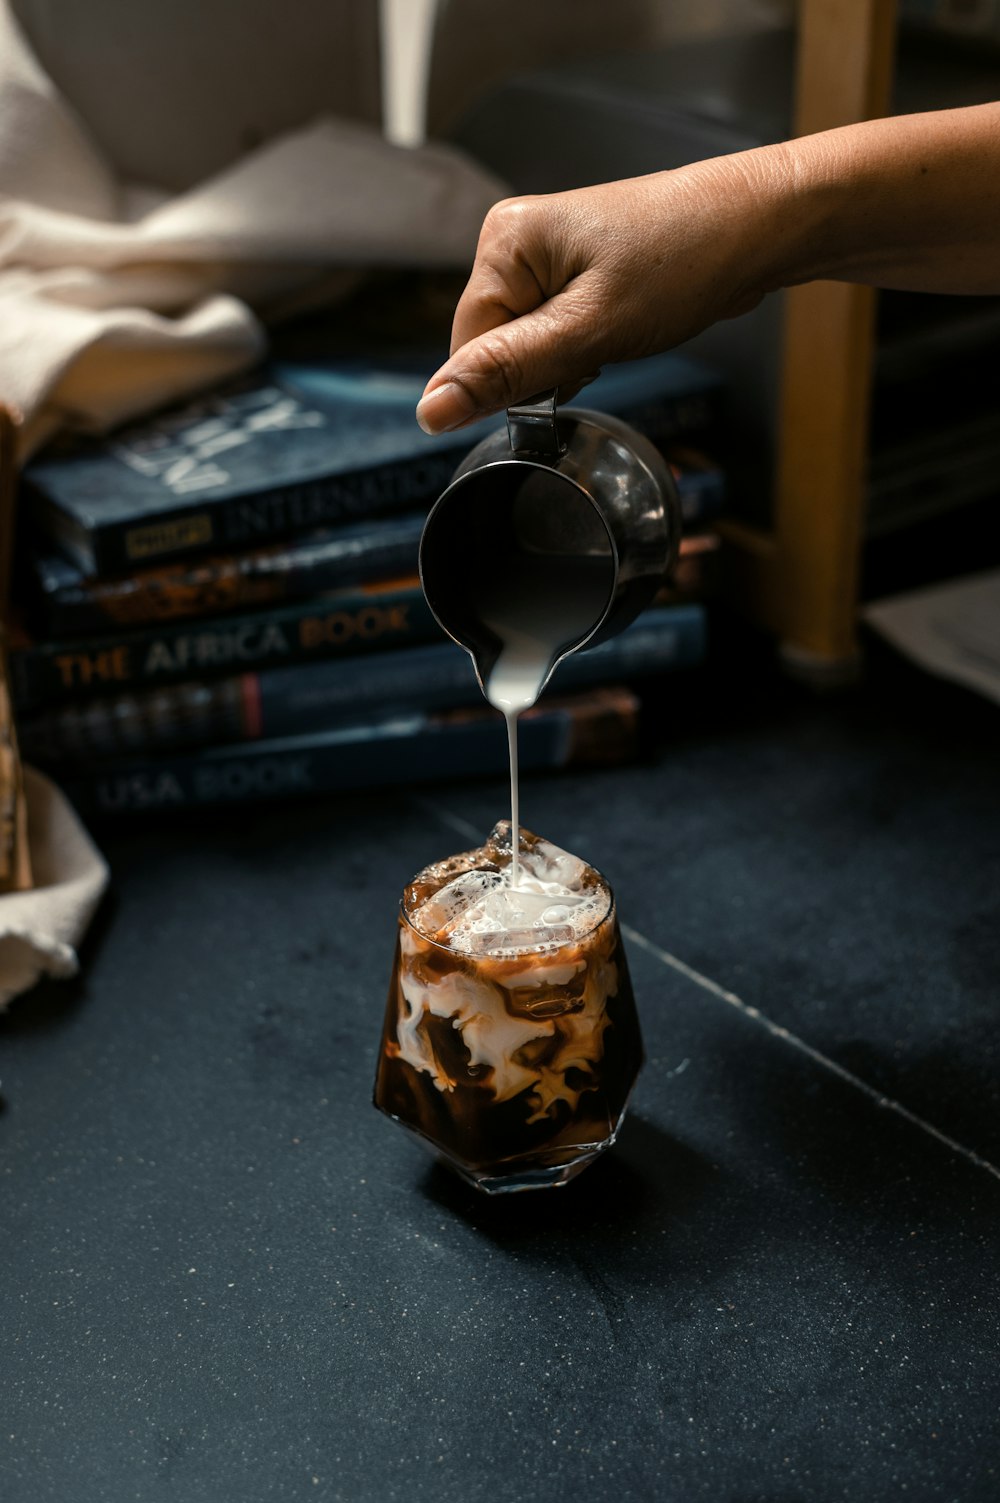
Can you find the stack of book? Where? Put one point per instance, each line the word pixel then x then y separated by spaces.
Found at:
pixel 221 603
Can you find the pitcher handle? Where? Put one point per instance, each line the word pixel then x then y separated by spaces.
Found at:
pixel 531 427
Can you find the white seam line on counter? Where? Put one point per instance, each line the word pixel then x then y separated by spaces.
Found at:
pixel 468 831
pixel 886 1102
pixel 453 821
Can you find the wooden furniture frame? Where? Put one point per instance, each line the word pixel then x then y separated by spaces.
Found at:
pixel 15 864
pixel 800 580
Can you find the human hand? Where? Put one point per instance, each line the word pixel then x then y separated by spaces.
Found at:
pixel 564 282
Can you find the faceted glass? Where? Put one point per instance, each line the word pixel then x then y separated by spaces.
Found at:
pixel 513 1066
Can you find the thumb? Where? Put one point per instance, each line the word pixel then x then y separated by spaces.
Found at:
pixel 552 346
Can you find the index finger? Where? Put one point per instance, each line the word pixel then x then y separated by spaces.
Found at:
pixel 504 283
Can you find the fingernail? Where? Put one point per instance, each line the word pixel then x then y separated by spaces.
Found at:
pixel 444 408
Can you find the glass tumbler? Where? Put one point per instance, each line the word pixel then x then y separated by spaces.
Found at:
pixel 510 1055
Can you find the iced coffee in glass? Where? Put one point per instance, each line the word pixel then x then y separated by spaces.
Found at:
pixel 511 1041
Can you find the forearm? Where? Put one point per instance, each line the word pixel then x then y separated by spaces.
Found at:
pixel 907 202
pixel 567 282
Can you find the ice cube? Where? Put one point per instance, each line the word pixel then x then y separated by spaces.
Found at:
pixel 483 941
pixel 515 908
pixel 549 864
pixel 438 915
pixel 510 918
pixel 498 845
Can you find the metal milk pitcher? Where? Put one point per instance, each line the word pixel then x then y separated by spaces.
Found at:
pixel 571 510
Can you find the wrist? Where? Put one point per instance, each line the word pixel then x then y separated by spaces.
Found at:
pixel 795 207
pixel 767 218
pixel 905 201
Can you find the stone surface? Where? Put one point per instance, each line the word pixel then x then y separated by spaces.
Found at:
pixel 834 861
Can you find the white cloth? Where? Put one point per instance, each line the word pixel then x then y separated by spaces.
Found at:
pixel 40 929
pixel 951 629
pixel 116 297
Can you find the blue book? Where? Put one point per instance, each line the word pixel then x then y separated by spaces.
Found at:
pixel 597 727
pixel 66 603
pixel 336 624
pixel 298 446
pixel 314 696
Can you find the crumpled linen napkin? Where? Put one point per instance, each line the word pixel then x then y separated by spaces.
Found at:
pixel 40 929
pixel 116 297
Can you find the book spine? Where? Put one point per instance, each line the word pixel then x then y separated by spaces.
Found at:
pixel 295 699
pixel 336 559
pixel 696 574
pixel 339 624
pixel 247 520
pixel 411 749
pixel 701 490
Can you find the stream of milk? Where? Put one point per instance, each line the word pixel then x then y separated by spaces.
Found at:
pixel 534 626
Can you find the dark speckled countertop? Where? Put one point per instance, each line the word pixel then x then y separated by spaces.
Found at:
pixel 224 1277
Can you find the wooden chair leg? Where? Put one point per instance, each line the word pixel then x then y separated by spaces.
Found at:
pixel 843 74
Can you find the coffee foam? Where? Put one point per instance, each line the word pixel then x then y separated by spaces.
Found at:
pixel 507 921
pixel 469 904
